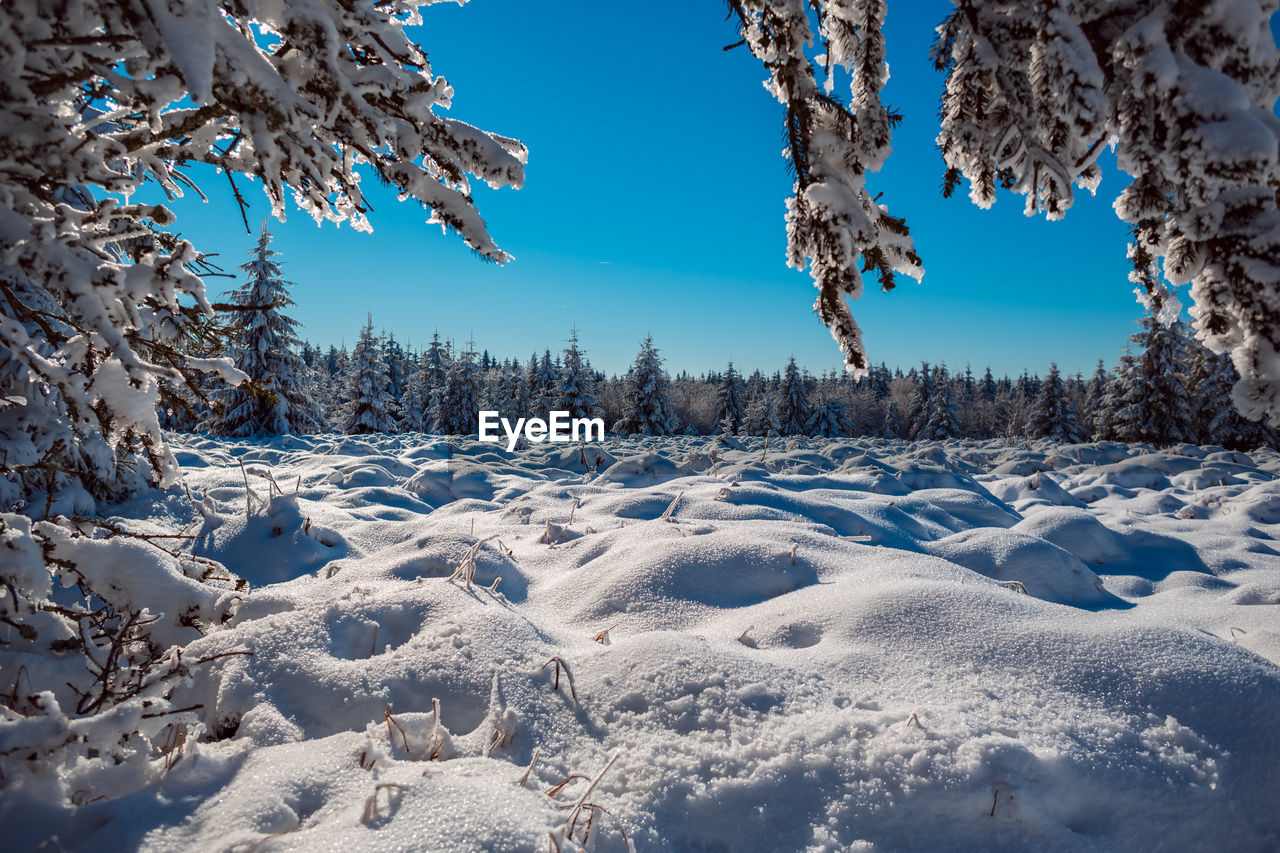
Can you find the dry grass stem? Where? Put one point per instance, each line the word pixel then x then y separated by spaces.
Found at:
pixel 533 759
pixel 560 664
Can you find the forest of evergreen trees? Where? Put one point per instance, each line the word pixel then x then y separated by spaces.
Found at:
pixel 1166 389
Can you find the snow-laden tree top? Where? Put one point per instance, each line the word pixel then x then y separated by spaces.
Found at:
pixel 1184 92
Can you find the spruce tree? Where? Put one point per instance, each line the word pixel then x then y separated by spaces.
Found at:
pixel 461 399
pixel 987 387
pixel 368 404
pixel 433 377
pixel 276 398
pixel 575 390
pixel 1054 415
pixel 829 419
pixel 1116 418
pixel 942 421
pixel 919 407
pixel 891 425
pixel 1152 404
pixel 648 405
pixel 762 416
pixel 515 403
pixel 729 401
pixel 393 355
pixel 416 396
pixel 794 410
pixel 1095 393
pixel 1215 420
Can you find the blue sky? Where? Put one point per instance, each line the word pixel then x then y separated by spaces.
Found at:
pixel 654 202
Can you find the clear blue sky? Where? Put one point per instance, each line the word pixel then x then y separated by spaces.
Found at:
pixel 654 202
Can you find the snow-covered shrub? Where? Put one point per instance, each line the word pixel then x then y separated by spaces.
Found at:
pixel 92 629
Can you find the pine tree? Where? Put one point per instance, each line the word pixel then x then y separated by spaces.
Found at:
pixel 942 420
pixel 891 425
pixel 1054 415
pixel 793 408
pixel 416 397
pixel 1215 421
pixel 987 388
pixel 461 400
pixel 576 386
pixel 1116 417
pixel 393 355
pixel 648 405
pixel 434 376
pixel 919 407
pixel 1151 404
pixel 275 399
pixel 516 403
pixel 729 401
pixel 829 419
pixel 762 417
pixel 368 404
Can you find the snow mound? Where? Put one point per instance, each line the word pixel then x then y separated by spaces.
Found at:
pixel 821 645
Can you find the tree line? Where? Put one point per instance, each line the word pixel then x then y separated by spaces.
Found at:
pixel 1166 389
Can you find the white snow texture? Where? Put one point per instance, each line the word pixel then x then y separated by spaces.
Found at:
pixel 821 646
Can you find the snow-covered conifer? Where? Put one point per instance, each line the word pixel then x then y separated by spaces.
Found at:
pixel 433 372
pixel 891 425
pixel 729 400
pixel 1054 415
pixel 762 416
pixel 794 410
pixel 515 400
pixel 835 224
pixel 368 404
pixel 648 405
pixel 416 397
pixel 1112 421
pixel 987 387
pixel 276 398
pixel 575 388
pixel 1157 407
pixel 918 409
pixel 1095 392
pixel 461 400
pixel 393 355
pixel 942 420
pixel 829 419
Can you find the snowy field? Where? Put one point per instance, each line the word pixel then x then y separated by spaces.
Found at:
pixel 834 645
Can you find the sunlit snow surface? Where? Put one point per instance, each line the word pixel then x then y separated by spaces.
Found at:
pixel 824 646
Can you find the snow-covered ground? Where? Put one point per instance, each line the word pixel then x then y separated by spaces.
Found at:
pixel 831 645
